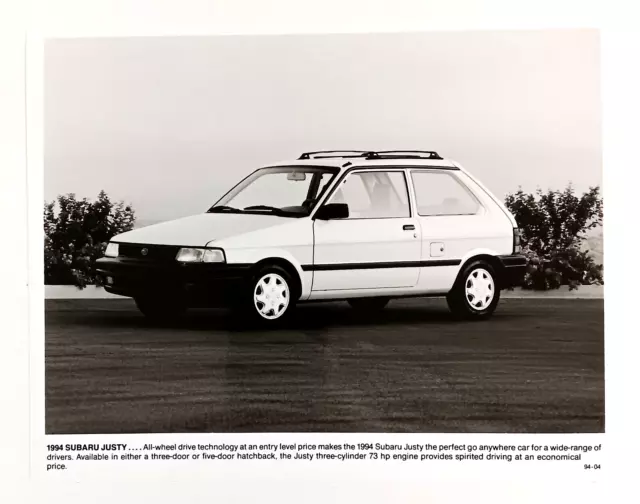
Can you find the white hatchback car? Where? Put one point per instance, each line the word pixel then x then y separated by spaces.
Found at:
pixel 361 226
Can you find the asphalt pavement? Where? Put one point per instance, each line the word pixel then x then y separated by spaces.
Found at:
pixel 536 366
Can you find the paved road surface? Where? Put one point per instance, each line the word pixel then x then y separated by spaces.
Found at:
pixel 536 366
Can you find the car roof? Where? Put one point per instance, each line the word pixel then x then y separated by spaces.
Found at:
pixel 370 159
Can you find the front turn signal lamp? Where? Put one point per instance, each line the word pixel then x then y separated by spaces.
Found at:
pixel 195 255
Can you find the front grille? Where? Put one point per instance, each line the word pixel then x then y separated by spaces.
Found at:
pixel 155 253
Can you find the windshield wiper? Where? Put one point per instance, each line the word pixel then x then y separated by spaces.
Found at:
pixel 223 208
pixel 265 208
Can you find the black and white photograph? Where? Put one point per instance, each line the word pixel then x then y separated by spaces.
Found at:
pixel 337 233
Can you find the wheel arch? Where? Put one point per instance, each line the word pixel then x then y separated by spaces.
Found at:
pixel 485 255
pixel 284 264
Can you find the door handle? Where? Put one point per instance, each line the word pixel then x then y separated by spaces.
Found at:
pixel 408 227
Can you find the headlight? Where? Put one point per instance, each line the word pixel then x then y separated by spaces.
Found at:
pixel 200 255
pixel 112 250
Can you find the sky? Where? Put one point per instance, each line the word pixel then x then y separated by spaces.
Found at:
pixel 169 124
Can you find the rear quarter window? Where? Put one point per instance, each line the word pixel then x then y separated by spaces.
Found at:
pixel 439 193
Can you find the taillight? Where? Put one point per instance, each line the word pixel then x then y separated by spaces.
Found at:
pixel 517 248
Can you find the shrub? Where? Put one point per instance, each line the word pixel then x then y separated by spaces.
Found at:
pixel 76 234
pixel 554 228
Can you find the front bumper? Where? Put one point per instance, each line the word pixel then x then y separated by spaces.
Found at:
pixel 199 284
pixel 514 268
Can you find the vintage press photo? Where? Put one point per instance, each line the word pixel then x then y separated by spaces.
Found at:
pixel 345 233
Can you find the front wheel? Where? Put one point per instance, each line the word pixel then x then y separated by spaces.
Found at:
pixel 476 294
pixel 270 296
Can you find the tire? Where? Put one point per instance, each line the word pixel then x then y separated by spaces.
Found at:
pixel 476 293
pixel 368 304
pixel 270 297
pixel 161 309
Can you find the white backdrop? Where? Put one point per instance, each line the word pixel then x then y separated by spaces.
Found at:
pixel 170 124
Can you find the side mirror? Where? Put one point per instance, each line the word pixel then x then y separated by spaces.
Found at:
pixel 333 211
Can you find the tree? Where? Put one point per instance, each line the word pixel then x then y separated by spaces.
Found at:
pixel 554 228
pixel 76 234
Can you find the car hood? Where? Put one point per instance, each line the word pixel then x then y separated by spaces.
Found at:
pixel 198 230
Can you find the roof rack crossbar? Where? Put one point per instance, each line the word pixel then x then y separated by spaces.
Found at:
pixel 392 154
pixel 333 153
pixel 418 154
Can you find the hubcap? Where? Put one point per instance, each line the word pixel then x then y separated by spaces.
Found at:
pixel 271 296
pixel 479 289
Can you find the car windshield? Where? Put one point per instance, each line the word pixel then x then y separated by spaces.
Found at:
pixel 290 191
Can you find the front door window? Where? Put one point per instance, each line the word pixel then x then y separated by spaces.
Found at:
pixel 374 195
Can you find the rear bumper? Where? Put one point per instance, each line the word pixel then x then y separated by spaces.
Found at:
pixel 199 284
pixel 514 268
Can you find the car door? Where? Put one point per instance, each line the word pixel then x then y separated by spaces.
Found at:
pixel 378 246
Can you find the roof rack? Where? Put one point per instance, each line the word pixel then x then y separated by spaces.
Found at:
pixel 392 154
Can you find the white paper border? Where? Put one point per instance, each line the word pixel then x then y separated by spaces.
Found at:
pixel 620 112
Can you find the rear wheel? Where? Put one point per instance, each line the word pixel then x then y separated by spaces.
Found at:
pixel 476 293
pixel 161 309
pixel 368 304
